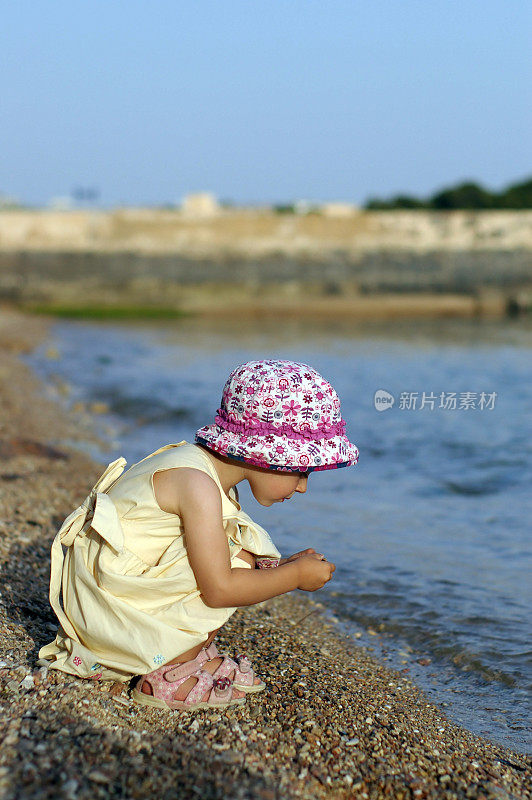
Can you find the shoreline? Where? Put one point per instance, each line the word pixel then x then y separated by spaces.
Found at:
pixel 333 722
pixel 201 303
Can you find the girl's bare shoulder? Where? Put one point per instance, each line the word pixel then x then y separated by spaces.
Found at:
pixel 180 488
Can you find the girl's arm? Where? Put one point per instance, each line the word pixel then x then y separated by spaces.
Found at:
pixel 200 509
pixel 246 587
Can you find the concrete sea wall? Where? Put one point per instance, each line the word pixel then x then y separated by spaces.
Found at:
pixel 253 259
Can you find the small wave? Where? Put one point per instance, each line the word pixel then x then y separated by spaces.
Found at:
pixel 144 410
pixel 424 629
pixel 474 488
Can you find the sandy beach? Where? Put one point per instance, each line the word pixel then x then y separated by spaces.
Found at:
pixel 332 723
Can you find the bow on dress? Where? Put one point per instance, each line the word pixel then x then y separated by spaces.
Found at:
pixel 97 509
pixel 252 536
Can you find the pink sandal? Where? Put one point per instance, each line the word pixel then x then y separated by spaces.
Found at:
pixel 165 681
pixel 244 674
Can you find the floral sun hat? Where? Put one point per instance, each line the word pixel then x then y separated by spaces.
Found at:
pixel 280 415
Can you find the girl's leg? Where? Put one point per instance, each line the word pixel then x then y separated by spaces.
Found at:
pixel 213 665
pixel 209 666
pixel 245 555
pixel 193 652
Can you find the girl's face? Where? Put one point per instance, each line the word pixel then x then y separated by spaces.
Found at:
pixel 270 487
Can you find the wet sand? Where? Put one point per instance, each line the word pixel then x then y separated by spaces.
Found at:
pixel 333 721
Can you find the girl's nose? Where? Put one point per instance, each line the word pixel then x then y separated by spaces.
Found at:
pixel 302 485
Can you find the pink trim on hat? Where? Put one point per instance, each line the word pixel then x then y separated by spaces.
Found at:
pixel 228 423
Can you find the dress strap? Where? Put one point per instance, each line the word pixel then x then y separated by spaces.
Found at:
pixel 161 450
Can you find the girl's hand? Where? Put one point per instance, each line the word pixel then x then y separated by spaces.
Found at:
pixel 310 551
pixel 313 573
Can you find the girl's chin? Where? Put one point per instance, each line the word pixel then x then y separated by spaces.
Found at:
pixel 268 501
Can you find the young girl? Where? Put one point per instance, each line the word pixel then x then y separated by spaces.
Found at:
pixel 160 556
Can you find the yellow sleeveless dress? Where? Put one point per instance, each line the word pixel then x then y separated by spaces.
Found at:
pixel 130 598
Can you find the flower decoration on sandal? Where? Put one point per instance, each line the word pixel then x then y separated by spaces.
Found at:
pixel 221 686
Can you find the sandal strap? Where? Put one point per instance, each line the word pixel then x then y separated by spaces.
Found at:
pixel 165 680
pixel 204 682
pixel 186 668
pixel 211 651
pixel 164 689
pixel 244 674
pixel 225 668
pixel 242 666
pixel 243 662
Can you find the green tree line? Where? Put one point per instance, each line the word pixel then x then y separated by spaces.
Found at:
pixel 463 196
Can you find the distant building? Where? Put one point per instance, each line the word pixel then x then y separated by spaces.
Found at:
pixel 306 206
pixel 61 203
pixel 202 204
pixel 338 209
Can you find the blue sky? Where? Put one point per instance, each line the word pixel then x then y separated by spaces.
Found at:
pixel 260 101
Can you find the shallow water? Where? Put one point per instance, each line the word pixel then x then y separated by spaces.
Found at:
pixel 429 532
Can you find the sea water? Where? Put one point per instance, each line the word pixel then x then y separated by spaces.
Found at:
pixel 430 532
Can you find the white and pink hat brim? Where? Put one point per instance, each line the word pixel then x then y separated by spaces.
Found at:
pixel 280 415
